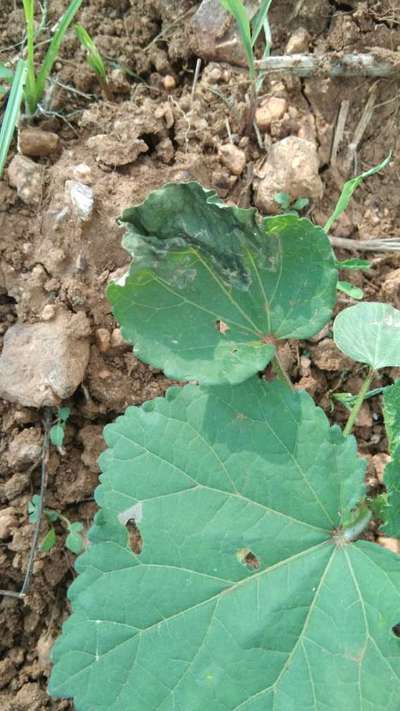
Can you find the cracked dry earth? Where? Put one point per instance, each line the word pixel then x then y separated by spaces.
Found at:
pixel 60 245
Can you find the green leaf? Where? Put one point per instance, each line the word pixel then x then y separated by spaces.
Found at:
pixel 239 12
pixel 241 597
pixel 350 290
pixel 353 264
pixel 348 189
pixel 210 284
pixel 11 115
pixel 391 413
pixel 300 203
pixel 75 527
pixel 260 21
pixel 57 434
pixel 94 58
pixel 283 199
pixel 52 52
pixel 34 509
pixel 49 541
pixel 6 74
pixel 369 333
pixel 391 476
pixel 74 543
pixel 63 413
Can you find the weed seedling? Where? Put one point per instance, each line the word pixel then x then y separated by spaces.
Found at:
pixel 94 59
pixel 74 540
pixel 291 207
pixel 250 30
pixel 57 431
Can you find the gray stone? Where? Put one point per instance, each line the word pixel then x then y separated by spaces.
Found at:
pixel 42 363
pixel 215 35
pixel 25 449
pixel 26 176
pixel 292 168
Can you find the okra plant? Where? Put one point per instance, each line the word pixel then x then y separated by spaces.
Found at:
pixel 254 586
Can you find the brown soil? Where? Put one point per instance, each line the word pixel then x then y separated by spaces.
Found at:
pixel 45 260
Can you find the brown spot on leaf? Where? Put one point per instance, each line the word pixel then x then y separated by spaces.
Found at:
pixel 247 558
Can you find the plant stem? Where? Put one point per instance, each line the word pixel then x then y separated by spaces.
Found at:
pixel 350 533
pixel 359 401
pixel 280 371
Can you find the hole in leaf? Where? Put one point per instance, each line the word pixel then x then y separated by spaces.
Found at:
pixel 134 537
pixel 222 327
pixel 396 630
pixel 247 558
pixel 130 519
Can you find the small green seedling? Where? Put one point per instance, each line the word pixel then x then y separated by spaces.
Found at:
pixel 94 59
pixel 289 206
pixel 74 540
pixel 250 30
pixel 255 586
pixel 36 80
pixel 57 431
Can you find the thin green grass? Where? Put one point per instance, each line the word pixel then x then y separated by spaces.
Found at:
pixel 94 58
pixel 12 111
pixel 36 81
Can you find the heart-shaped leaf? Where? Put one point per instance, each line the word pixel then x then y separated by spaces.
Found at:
pixel 391 410
pixel 245 595
pixel 369 333
pixel 212 287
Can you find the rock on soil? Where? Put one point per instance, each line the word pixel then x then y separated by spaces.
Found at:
pixel 292 168
pixel 270 110
pixel 111 151
pixel 233 158
pixel 26 175
pixel 25 449
pixel 43 363
pixel 214 35
pixel 35 143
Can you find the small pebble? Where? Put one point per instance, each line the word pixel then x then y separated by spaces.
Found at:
pixel 169 82
pixel 116 339
pixel 48 312
pixel 233 158
pixel 298 42
pixel 271 110
pixel 35 143
pixel 103 340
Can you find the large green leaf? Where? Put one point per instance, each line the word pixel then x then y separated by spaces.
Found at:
pixel 391 410
pixel 210 284
pixel 241 599
pixel 369 333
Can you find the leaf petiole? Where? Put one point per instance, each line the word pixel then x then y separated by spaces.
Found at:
pixel 358 403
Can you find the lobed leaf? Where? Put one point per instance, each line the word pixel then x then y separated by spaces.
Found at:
pixel 242 597
pixel 369 333
pixel 391 411
pixel 211 287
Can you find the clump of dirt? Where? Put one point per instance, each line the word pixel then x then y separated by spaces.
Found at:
pixel 60 244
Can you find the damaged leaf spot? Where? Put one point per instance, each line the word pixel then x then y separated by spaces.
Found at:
pixel 396 630
pixel 222 327
pixel 247 558
pixel 130 518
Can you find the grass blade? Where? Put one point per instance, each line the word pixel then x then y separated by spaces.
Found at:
pixel 6 74
pixel 238 11
pixel 30 87
pixel 11 115
pixel 260 21
pixel 94 58
pixel 348 189
pixel 52 52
